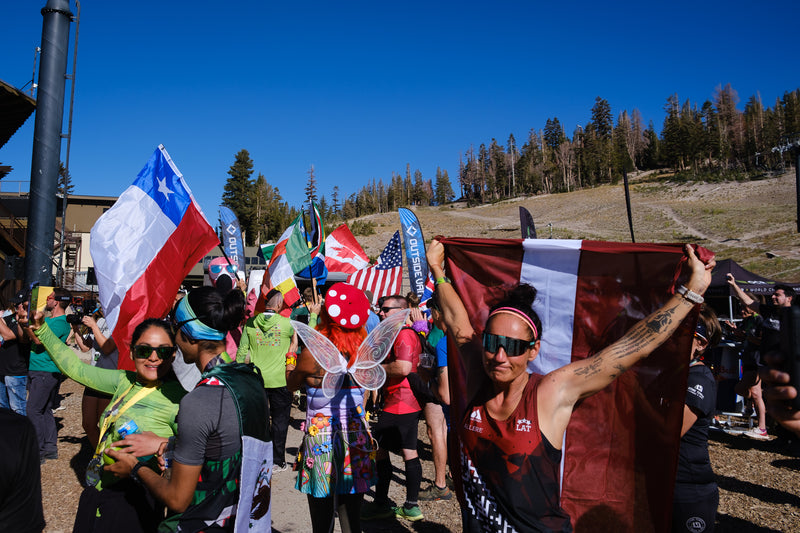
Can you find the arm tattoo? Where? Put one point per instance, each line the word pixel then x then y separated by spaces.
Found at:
pixel 592 367
pixel 661 321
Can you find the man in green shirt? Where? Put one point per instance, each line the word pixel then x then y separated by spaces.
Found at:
pixel 44 376
pixel 268 338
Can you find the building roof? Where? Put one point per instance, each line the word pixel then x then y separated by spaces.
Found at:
pixel 15 108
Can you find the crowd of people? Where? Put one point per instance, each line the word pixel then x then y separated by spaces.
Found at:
pixel 171 459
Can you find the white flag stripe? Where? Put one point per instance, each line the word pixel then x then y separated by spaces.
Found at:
pixel 551 265
pixel 124 241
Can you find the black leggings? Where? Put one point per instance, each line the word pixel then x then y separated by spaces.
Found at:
pixel 347 505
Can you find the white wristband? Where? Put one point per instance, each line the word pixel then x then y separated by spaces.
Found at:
pixel 690 295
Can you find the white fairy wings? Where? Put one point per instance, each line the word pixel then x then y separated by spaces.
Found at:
pixel 366 369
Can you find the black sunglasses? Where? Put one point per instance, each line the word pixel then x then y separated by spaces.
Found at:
pixel 512 346
pixel 385 310
pixel 143 351
pixel 176 326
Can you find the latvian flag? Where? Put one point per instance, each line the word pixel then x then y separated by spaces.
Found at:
pixel 621 446
pixel 144 246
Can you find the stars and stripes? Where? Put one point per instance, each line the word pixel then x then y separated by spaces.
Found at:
pixel 386 277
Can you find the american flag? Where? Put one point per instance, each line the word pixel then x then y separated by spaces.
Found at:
pixel 386 277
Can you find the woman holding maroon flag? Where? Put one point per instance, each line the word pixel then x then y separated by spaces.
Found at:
pixel 514 425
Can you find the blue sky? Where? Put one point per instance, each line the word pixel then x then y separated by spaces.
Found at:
pixel 360 89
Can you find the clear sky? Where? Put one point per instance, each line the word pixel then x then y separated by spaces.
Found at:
pixel 360 89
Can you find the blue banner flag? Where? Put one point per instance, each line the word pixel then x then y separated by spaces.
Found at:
pixel 415 251
pixel 231 237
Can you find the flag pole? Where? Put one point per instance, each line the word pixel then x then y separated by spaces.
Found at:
pixel 628 203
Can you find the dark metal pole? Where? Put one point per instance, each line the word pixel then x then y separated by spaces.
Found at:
pixel 47 142
pixel 60 277
pixel 797 186
pixel 628 203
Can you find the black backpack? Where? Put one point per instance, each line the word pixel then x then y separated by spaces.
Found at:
pixel 424 381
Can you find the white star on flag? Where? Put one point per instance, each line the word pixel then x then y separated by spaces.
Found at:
pixel 163 189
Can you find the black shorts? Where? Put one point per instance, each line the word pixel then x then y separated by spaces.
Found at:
pixel 397 432
pixel 694 509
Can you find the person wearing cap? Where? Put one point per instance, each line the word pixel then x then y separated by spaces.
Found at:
pixel 334 465
pixel 267 339
pixel 14 356
pixel 696 496
pixel 44 376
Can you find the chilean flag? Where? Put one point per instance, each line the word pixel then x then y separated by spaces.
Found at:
pixel 621 445
pixel 144 246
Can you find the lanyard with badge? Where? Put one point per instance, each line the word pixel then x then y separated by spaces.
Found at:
pixel 110 416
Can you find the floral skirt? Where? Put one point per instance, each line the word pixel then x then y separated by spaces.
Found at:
pixel 337 455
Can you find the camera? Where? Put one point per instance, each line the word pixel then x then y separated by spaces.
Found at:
pixel 81 308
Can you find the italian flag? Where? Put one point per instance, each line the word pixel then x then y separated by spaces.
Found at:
pixel 621 446
pixel 290 255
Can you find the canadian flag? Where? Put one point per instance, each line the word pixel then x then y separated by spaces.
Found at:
pixel 343 253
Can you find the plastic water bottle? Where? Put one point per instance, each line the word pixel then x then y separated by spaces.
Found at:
pixel 129 427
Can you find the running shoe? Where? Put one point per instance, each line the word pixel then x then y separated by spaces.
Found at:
pixel 412 515
pixel 281 468
pixel 757 433
pixel 434 493
pixel 376 511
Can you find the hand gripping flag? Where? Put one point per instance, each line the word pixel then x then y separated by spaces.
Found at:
pixel 385 278
pixel 621 445
pixel 144 246
pixel 343 253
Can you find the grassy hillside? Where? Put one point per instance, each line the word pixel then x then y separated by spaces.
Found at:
pixel 743 221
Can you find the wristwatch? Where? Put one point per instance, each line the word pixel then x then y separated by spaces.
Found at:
pixel 690 295
pixel 135 472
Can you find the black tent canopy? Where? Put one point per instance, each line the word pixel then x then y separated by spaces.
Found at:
pixel 746 280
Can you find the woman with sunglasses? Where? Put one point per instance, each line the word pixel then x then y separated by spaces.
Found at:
pixel 514 425
pixel 227 404
pixel 149 397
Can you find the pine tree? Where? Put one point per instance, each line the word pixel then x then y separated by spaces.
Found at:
pixel 335 207
pixel 311 186
pixel 65 186
pixel 239 191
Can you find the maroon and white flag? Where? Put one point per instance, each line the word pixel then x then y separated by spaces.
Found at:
pixel 621 446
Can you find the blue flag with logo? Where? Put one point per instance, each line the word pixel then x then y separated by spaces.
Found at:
pixel 415 251
pixel 231 237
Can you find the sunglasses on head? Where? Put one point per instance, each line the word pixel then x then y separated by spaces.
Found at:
pixel 513 347
pixel 176 326
pixel 217 269
pixel 387 309
pixel 143 351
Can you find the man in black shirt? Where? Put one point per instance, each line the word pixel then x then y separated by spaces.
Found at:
pixel 782 297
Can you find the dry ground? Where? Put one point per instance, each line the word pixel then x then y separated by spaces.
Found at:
pixel 759 483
